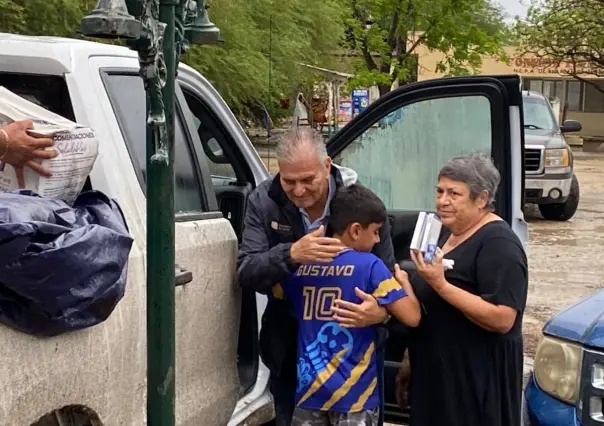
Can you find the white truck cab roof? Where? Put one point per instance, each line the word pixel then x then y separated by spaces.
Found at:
pixel 55 55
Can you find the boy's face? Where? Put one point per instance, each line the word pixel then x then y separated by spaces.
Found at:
pixel 363 239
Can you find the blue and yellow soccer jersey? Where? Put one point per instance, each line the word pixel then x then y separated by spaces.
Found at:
pixel 336 366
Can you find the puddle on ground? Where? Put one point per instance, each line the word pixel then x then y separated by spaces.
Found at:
pixel 566 259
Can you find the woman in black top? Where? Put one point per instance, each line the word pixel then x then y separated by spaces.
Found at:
pixel 466 355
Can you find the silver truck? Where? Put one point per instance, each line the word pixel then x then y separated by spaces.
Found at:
pixel 97 376
pixel 550 180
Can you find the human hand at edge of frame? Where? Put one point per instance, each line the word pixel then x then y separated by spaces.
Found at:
pixel 22 149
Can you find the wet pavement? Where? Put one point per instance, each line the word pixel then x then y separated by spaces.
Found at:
pixel 566 258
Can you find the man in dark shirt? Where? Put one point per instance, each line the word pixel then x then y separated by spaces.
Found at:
pixel 286 225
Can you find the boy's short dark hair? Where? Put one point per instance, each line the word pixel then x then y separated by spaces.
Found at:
pixel 355 203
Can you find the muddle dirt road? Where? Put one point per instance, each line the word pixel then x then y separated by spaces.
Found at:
pixel 566 259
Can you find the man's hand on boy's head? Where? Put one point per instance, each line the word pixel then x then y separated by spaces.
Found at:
pixel 363 314
pixel 314 247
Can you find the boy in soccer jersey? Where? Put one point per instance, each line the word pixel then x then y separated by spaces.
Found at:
pixel 337 371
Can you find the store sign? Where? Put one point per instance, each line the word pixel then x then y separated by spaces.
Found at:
pixel 360 101
pixel 535 65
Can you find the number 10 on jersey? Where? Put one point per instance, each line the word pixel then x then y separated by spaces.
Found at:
pixel 318 302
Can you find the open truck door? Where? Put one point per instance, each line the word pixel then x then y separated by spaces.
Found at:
pixel 398 145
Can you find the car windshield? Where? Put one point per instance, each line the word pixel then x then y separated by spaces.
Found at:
pixel 538 114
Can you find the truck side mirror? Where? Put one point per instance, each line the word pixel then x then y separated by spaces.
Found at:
pixel 571 126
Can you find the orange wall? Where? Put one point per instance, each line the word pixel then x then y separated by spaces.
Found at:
pixel 526 66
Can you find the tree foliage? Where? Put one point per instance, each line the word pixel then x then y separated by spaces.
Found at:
pixel 265 42
pixel 388 34
pixel 570 31
pixel 43 17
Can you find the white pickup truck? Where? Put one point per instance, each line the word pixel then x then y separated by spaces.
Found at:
pixel 97 376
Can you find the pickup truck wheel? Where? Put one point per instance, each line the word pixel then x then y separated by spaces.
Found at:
pixel 566 210
pixel 76 415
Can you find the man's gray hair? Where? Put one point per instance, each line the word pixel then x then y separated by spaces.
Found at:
pixel 299 139
pixel 477 171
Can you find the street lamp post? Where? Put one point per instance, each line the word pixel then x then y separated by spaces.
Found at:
pixel 160 31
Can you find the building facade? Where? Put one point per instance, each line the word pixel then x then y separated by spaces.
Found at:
pixel 580 100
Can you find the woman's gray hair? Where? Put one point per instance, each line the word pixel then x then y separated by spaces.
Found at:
pixel 477 171
pixel 299 139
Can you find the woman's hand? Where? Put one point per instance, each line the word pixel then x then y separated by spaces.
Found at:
pixel 432 273
pixel 364 314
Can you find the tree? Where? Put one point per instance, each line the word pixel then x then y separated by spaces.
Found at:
pixel 43 17
pixel 388 35
pixel 567 31
pixel 265 42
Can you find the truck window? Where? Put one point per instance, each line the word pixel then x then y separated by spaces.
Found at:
pixel 399 157
pixel 537 114
pixel 127 96
pixel 214 139
pixel 48 91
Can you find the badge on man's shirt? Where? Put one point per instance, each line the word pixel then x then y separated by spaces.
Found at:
pixel 280 227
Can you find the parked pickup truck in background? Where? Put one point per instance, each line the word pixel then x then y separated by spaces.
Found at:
pixel 97 376
pixel 566 386
pixel 550 181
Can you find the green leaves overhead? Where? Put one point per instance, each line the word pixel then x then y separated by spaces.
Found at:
pixel 256 33
pixel 566 31
pixel 43 17
pixel 265 41
pixel 389 34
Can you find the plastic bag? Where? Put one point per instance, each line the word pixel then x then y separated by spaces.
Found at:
pixel 61 268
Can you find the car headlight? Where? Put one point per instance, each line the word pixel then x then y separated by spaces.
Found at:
pixel 557 157
pixel 557 368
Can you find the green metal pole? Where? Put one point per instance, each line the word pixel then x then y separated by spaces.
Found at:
pixel 159 30
pixel 160 246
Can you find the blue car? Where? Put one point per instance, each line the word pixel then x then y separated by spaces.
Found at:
pixel 566 386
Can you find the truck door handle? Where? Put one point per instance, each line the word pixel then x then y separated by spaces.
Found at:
pixel 182 276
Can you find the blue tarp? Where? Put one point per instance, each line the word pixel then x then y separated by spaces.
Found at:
pixel 62 268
